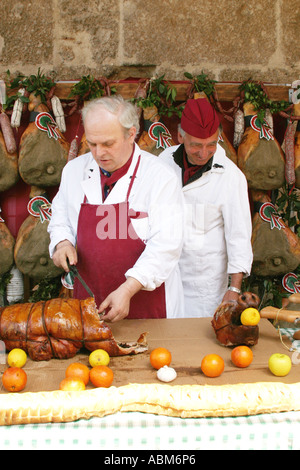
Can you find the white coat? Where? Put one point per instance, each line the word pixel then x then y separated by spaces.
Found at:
pixel 218 232
pixel 155 191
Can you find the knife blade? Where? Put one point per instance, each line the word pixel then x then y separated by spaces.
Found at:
pixel 75 272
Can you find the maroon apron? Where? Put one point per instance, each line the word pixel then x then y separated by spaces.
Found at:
pixel 107 246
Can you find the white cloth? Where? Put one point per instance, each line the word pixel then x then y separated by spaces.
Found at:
pixel 218 232
pixel 155 191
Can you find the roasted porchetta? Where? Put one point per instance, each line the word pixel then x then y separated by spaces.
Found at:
pixel 227 325
pixel 59 328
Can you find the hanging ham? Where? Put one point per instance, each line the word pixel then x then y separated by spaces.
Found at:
pixel 260 156
pixel 276 248
pixel 7 243
pixel 297 156
pixel 31 251
pixel 43 150
pixel 297 146
pixel 9 173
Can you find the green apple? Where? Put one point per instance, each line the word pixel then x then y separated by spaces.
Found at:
pixel 280 364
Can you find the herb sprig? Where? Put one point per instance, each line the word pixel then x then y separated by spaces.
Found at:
pixel 202 83
pixel 38 84
pixel 162 95
pixel 89 88
pixel 256 95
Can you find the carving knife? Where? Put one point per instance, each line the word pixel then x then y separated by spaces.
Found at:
pixel 75 272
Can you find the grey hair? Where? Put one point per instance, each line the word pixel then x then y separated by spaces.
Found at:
pixel 125 111
pixel 182 132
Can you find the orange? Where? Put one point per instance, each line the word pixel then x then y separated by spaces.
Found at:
pixel 72 384
pixel 14 379
pixel 241 356
pixel 160 357
pixel 212 365
pixel 78 371
pixel 101 376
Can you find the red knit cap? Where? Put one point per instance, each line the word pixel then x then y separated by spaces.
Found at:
pixel 199 118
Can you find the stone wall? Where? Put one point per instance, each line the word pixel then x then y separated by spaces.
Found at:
pixel 230 40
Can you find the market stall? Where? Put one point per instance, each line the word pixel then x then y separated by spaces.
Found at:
pixel 242 408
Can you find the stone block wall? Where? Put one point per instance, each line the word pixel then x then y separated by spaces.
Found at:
pixel 231 40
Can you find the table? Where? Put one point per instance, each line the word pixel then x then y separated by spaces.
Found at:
pixel 138 431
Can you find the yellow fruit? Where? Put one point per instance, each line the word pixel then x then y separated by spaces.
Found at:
pixel 17 358
pixel 99 357
pixel 250 317
pixel 72 384
pixel 280 364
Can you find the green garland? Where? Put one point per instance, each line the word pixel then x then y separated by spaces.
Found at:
pixel 38 84
pixel 162 95
pixel 46 289
pixel 89 88
pixel 201 83
pixel 255 94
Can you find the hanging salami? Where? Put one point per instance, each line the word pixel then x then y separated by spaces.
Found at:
pixel 9 173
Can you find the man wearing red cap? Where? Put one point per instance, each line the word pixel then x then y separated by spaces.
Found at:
pixel 217 252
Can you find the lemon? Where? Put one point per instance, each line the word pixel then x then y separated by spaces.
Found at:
pixel 250 317
pixel 16 358
pixel 99 357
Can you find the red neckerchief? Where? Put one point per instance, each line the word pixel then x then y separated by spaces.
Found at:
pixel 189 170
pixel 108 180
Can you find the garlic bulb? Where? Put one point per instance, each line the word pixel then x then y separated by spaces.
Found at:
pixel 166 374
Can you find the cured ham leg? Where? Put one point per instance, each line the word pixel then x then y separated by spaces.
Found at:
pixel 59 328
pixel 32 244
pixel 145 142
pixel 7 243
pixel 32 250
pixel 227 325
pixel 83 146
pixel 276 248
pixel 297 146
pixel 41 157
pixel 261 160
pixel 9 174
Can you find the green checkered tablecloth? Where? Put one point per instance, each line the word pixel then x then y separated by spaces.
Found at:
pixel 139 431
